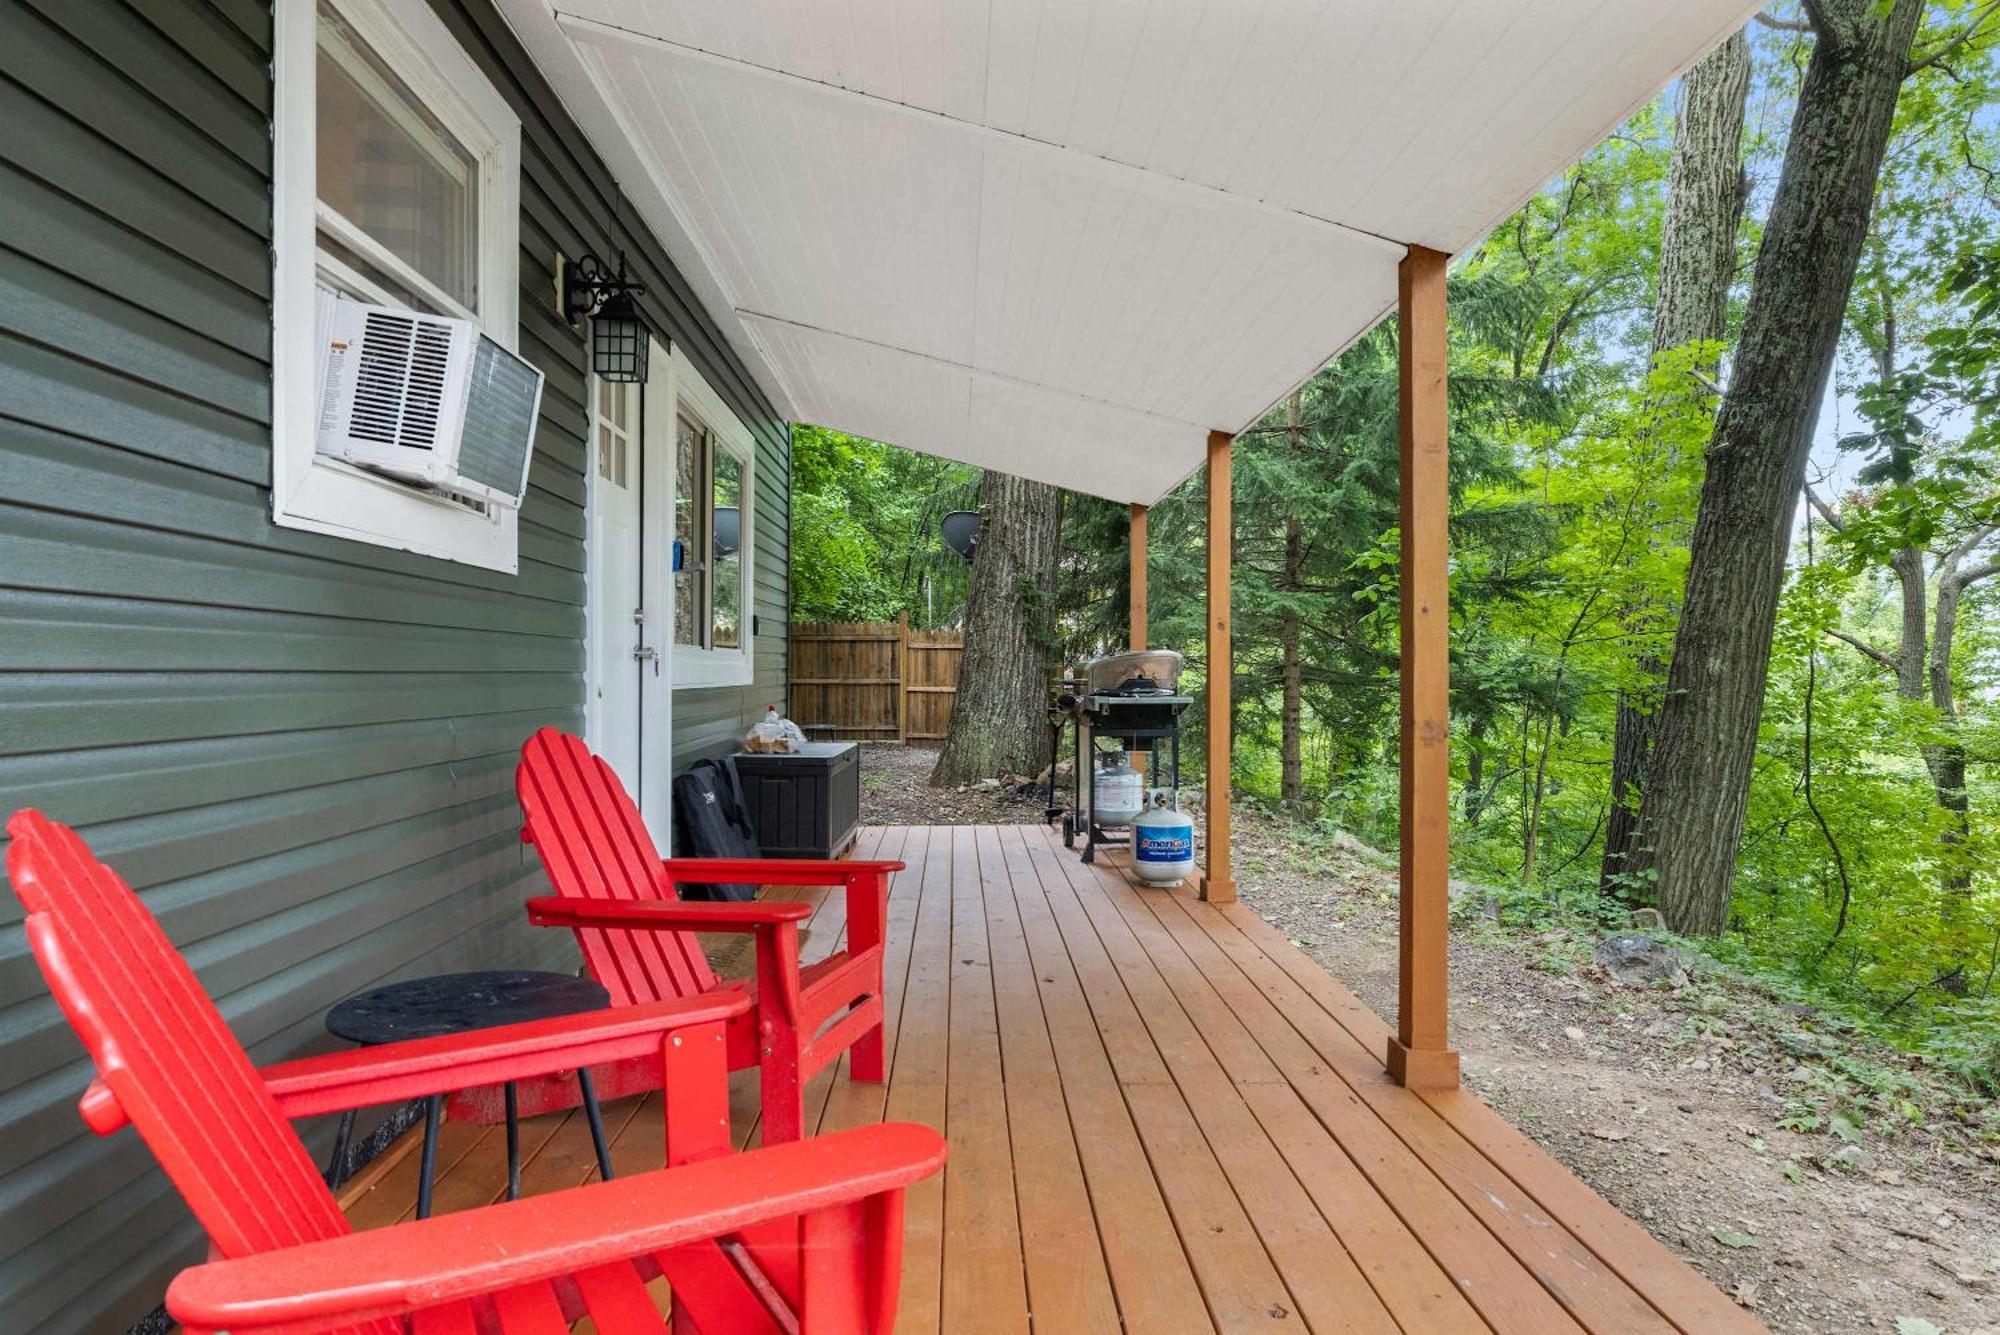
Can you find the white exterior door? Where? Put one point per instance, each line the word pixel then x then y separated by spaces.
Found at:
pixel 628 685
pixel 618 665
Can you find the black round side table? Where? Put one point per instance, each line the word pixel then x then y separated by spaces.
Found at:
pixel 455 1003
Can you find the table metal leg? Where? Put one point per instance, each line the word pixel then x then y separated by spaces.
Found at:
pixel 336 1168
pixel 513 1144
pixel 596 1117
pixel 433 1119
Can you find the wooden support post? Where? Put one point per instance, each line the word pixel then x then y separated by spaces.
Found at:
pixel 1137 546
pixel 1217 884
pixel 1420 1055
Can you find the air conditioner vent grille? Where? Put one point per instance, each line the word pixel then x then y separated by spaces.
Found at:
pixel 399 380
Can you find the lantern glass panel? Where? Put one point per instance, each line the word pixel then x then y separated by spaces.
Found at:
pixel 618 342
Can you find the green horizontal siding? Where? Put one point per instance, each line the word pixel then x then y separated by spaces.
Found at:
pixel 299 749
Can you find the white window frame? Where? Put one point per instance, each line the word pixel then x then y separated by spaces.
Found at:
pixel 323 495
pixel 695 667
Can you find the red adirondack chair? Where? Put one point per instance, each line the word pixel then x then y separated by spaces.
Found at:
pixel 638 937
pixel 801 1237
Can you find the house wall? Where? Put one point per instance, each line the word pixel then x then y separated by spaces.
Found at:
pixel 298 748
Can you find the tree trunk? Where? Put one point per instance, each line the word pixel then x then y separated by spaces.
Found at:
pixel 1475 770
pixel 1291 781
pixel 999 716
pixel 1291 759
pixel 1705 189
pixel 1946 759
pixel 1692 809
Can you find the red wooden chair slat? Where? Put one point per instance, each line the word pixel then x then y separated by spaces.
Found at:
pixel 616 1299
pixel 596 850
pixel 531 1309
pixel 451 1319
pixel 288 1262
pixel 215 1129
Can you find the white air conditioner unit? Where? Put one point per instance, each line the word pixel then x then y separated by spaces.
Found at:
pixel 425 397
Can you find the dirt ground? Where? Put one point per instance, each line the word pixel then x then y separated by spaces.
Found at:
pixel 1667 1102
pixel 895 790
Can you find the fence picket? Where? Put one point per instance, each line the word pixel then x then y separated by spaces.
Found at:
pixel 873 680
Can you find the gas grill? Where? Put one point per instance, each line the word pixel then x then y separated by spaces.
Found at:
pixel 1126 702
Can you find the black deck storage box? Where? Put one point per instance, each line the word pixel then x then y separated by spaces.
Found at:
pixel 806 804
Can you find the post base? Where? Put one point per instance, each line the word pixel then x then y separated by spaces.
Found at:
pixel 1422 1068
pixel 1217 892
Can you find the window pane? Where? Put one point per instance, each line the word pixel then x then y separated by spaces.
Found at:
pixel 691 531
pixel 726 579
pixel 390 168
pixel 355 276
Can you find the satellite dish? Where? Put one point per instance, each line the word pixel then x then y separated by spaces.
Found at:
pixel 728 530
pixel 960 529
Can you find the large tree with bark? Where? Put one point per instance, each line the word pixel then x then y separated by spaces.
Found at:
pixel 1691 813
pixel 999 716
pixel 1705 189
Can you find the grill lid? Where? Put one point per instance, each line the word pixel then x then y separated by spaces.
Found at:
pixel 1139 672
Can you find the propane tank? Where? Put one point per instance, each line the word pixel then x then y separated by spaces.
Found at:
pixel 1117 793
pixel 1163 841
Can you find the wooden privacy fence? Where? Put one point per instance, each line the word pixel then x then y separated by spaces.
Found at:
pixel 873 681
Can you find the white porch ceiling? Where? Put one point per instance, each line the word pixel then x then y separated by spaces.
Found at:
pixel 1067 238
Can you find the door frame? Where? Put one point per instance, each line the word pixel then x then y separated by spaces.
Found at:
pixel 656 589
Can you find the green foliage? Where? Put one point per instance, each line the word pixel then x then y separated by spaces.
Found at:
pixel 864 532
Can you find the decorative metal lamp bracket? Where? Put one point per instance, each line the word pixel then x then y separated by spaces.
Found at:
pixel 588 283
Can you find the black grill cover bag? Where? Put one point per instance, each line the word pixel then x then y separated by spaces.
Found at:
pixel 708 809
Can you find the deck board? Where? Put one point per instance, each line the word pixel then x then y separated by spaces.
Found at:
pixel 1163 1116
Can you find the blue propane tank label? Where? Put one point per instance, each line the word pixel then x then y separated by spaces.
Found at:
pixel 1172 844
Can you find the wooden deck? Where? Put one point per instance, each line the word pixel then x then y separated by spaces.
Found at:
pixel 1163 1114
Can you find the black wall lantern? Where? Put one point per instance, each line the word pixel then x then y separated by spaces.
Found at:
pixel 618 337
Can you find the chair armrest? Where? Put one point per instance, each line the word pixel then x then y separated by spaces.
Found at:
pixel 390 1271
pixel 664 915
pixel 775 923
pixel 393 1072
pixel 772 871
